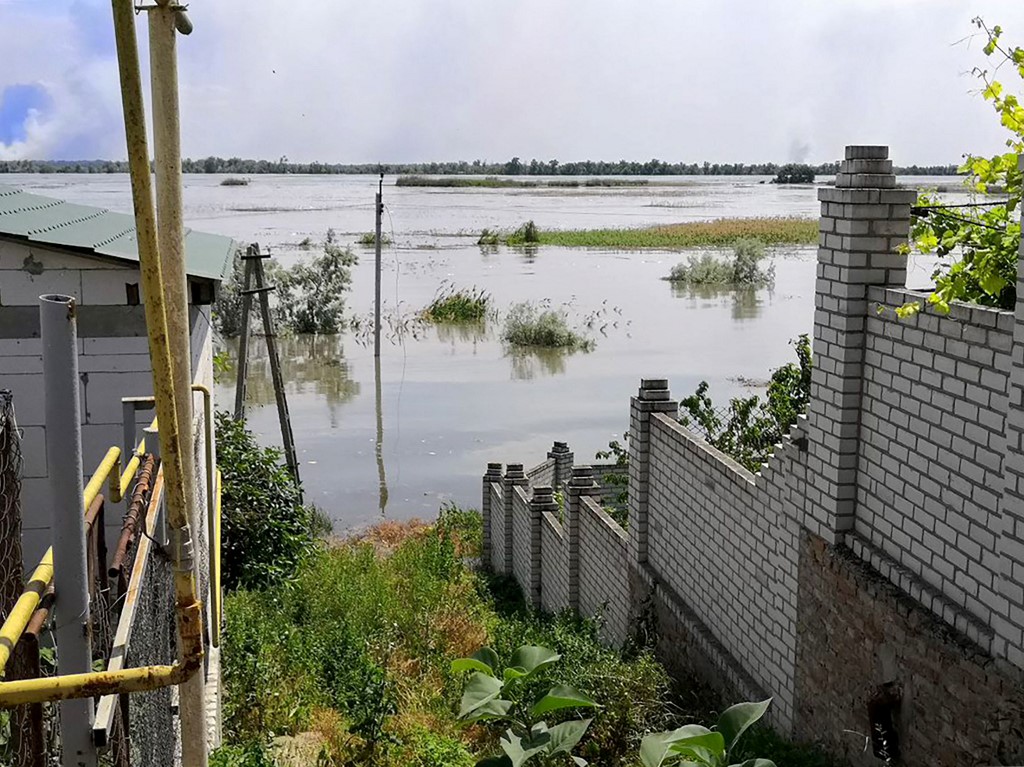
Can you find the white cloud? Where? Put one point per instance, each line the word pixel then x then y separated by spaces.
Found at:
pixel 723 80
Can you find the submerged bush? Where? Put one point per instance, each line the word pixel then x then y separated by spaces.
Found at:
pixel 310 296
pixel 527 234
pixel 744 269
pixel 369 239
pixel 266 530
pixel 527 324
pixel 457 305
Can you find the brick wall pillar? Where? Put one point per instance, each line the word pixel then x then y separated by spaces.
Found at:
pixel 864 220
pixel 580 484
pixel 654 397
pixel 514 475
pixel 1009 621
pixel 493 475
pixel 543 500
pixel 563 458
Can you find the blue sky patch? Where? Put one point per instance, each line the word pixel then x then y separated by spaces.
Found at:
pixel 15 103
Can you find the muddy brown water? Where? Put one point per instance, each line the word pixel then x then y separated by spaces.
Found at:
pixel 454 398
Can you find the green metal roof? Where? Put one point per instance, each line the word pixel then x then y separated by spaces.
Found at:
pixel 102 233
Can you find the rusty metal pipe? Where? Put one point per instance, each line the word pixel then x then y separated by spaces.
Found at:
pixel 136 510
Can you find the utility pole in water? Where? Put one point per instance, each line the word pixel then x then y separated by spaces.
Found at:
pixel 376 304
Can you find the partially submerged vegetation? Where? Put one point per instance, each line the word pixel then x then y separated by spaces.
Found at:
pixel 309 297
pixel 694 234
pixel 234 181
pixel 455 305
pixel 742 270
pixel 528 324
pixel 369 239
pixel 492 182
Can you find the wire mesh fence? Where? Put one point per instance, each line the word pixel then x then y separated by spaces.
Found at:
pixel 739 430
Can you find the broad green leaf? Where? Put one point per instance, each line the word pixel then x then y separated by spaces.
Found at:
pixel 755 763
pixel 654 748
pixel 992 283
pixel 561 696
pixel 580 761
pixel 471 664
pixel 709 747
pixel 735 720
pixel 480 690
pixel 514 672
pixel 488 657
pixel 519 750
pixel 492 709
pixel 533 659
pixel 566 735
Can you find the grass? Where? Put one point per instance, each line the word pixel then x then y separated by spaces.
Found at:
pixel 507 183
pixel 531 325
pixel 369 239
pixel 349 663
pixel 452 305
pixel 695 234
pixel 742 270
pixel 234 181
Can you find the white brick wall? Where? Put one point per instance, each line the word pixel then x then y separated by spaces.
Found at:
pixel 521 558
pixel 604 572
pixel 554 566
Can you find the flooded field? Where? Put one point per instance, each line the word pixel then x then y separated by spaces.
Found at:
pixel 451 399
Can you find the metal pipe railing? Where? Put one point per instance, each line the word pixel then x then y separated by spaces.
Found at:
pixel 72 634
pixel 188 607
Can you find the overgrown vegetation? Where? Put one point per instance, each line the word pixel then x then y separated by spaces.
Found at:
pixel 233 181
pixel 749 428
pixel 983 240
pixel 617 476
pixel 309 297
pixel 695 234
pixel 357 648
pixel 267 532
pixel 369 239
pixel 505 183
pixel 530 324
pixel 743 270
pixel 455 305
pixel 794 173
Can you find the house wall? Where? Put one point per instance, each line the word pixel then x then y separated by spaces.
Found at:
pixel 113 363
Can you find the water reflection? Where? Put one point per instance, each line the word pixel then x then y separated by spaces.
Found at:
pixel 382 480
pixel 309 363
pixel 528 364
pixel 745 303
pixel 471 333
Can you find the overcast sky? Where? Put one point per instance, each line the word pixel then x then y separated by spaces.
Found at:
pixel 421 80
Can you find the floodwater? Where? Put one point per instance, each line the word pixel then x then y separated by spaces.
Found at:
pixel 448 400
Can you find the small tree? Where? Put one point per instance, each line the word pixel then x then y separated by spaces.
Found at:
pixel 795 173
pixel 985 237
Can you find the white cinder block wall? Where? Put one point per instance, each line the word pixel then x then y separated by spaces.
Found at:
pixel 110 366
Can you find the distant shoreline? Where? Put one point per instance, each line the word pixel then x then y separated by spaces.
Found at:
pixel 238 167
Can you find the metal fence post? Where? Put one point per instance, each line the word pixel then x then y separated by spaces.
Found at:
pixel 64 461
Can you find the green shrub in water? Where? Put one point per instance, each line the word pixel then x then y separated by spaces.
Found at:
pixel 457 305
pixel 527 324
pixel 744 269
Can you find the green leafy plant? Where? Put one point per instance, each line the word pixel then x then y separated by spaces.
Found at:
pixel 794 173
pixel 311 295
pixel 266 530
pixel 749 428
pixel 495 694
pixel 618 477
pixel 529 324
pixel 369 239
pixel 744 269
pixel 694 745
pixel 984 238
pixel 455 305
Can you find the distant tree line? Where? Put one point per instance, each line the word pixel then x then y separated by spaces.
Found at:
pixel 514 167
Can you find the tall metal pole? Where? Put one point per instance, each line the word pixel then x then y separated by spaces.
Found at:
pixel 376 304
pixel 382 480
pixel 171 244
pixel 64 458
